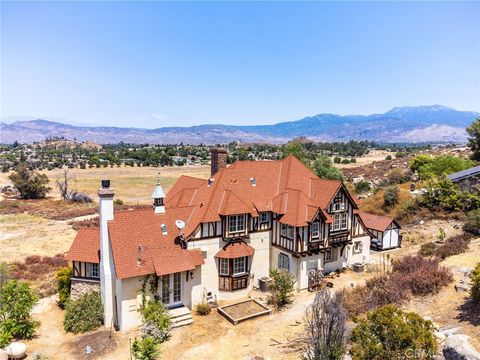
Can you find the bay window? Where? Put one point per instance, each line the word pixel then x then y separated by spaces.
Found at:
pixel 239 266
pixel 223 266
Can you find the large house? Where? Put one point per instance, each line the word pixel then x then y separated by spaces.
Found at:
pixel 212 240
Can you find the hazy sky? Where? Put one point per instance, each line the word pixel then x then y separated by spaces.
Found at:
pixel 153 64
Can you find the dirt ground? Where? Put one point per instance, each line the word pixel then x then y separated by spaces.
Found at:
pixel 132 184
pixel 373 155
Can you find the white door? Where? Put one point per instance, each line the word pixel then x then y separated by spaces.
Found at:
pixel 171 289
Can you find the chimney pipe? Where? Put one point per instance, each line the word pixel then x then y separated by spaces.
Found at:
pixel 218 160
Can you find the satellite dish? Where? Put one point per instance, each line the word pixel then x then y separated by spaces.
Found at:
pixel 180 224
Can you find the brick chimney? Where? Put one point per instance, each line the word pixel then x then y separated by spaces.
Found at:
pixel 218 160
pixel 107 271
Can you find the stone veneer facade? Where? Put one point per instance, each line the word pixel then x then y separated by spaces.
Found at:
pixel 82 286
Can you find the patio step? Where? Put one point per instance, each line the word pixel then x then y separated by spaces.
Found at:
pixel 180 317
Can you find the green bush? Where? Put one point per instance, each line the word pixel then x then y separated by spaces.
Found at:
pixel 156 321
pixel 84 314
pixel 203 309
pixel 362 186
pixel 390 196
pixel 427 249
pixel 16 302
pixel 390 333
pixel 63 277
pixel 429 167
pixel 337 159
pixel 281 288
pixel 388 157
pixel 472 222
pixel 30 184
pixel 118 202
pixel 322 166
pixel 145 349
pixel 475 277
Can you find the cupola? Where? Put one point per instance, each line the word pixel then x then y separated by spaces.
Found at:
pixel 158 196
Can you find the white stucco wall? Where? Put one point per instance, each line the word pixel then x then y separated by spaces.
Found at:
pixel 128 293
pixel 362 257
pixel 390 239
pixel 260 241
pixel 305 264
pixel 339 263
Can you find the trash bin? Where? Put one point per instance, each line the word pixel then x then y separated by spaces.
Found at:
pixel 263 283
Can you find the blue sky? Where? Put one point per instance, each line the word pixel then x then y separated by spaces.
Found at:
pixel 153 64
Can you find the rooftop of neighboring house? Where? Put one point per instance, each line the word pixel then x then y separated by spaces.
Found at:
pixel 464 174
pixel 377 222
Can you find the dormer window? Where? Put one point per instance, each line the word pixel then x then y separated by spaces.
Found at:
pixel 315 230
pixel 338 205
pixel 236 223
pixel 264 217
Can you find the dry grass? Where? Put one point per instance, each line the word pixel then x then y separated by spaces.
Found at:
pixel 374 204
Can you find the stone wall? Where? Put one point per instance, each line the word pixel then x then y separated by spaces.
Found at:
pixel 81 287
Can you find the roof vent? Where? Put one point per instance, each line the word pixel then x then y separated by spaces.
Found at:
pixel 164 229
pixel 253 181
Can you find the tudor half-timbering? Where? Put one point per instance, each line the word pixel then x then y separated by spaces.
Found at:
pixel 212 240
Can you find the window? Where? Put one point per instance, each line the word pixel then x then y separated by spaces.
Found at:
pixel 223 266
pixel 239 265
pixel 329 255
pixel 338 205
pixel 236 223
pixel 283 262
pixel 283 230
pixel 290 232
pixel 264 217
pixel 93 270
pixel 340 221
pixel 357 247
pixel 315 230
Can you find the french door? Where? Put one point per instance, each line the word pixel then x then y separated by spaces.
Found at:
pixel 171 289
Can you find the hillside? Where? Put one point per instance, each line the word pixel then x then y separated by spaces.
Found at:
pixel 403 124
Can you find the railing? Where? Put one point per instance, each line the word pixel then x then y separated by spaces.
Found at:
pixel 339 238
pixel 316 245
pixel 232 283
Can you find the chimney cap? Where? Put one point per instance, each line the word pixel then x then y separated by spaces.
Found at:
pixel 105 183
pixel 219 150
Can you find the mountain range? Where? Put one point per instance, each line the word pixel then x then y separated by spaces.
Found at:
pixel 436 123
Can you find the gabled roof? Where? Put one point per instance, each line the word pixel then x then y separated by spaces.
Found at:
pixel 474 171
pixel 285 186
pixel 377 222
pixel 235 250
pixel 86 246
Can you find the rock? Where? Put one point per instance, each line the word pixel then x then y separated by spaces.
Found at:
pixel 457 347
pixel 421 222
pixel 3 355
pixel 449 330
pixel 456 226
pixel 16 350
pixel 440 336
pixel 462 287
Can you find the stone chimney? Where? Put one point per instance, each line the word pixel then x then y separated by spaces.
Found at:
pixel 218 160
pixel 107 271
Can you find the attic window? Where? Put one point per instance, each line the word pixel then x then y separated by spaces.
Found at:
pixel 164 229
pixel 253 181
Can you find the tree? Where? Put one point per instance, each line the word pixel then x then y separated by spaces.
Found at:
pixel 322 166
pixel 16 302
pixel 326 327
pixel 475 277
pixel 281 288
pixel 390 333
pixel 296 149
pixel 62 185
pixel 474 140
pixel 30 184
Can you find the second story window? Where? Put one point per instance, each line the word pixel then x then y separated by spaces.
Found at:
pixel 236 223
pixel 290 232
pixel 264 217
pixel 340 221
pixel 315 230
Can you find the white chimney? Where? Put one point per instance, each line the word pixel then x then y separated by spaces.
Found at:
pixel 107 271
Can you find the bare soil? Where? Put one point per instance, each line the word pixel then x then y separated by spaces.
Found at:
pixel 238 311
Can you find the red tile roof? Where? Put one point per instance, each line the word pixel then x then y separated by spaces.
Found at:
pixel 86 246
pixel 235 250
pixel 376 222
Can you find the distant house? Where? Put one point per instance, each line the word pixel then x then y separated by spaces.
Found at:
pixel 467 179
pixel 385 231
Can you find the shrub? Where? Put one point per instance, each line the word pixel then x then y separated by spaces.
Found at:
pixel 337 159
pixel 281 288
pixel 145 349
pixel 390 333
pixel 431 167
pixel 453 246
pixel 5 337
pixel 388 157
pixel 400 154
pixel 326 327
pixel 156 321
pixel 118 202
pixel 472 222
pixel 322 166
pixel 362 186
pixel 84 314
pixel 203 309
pixel 63 277
pixel 395 176
pixel 475 277
pixel 4 274
pixel 427 249
pixel 30 184
pixel 390 196
pixel 16 302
